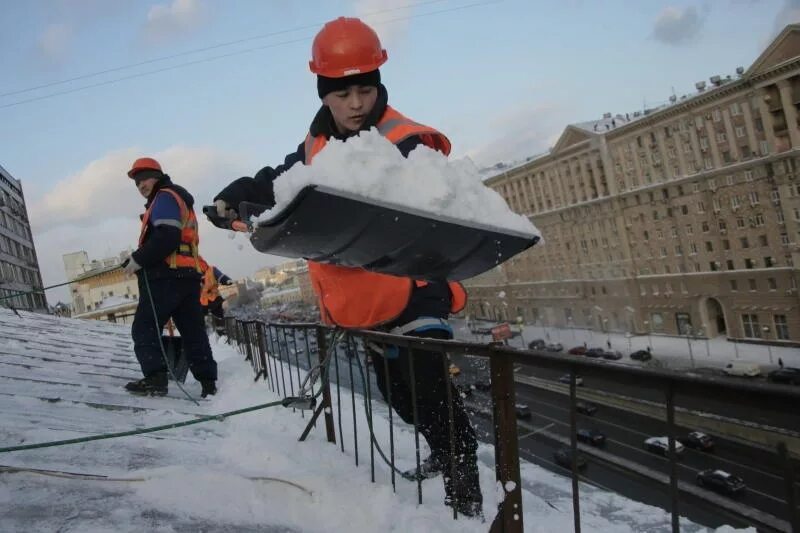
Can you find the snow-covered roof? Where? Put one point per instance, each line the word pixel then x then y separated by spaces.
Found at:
pixel 111 302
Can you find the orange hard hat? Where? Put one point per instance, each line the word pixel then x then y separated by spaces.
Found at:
pixel 344 47
pixel 144 163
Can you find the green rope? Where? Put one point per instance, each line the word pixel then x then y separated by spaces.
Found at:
pixel 42 289
pixel 153 429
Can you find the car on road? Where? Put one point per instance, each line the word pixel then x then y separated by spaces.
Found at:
pixel 660 445
pixel 554 347
pixel 565 379
pixel 614 356
pixel 465 391
pixel 586 408
pixel 577 350
pixel 721 481
pixel 641 355
pixel 698 441
pixel 563 457
pixel 787 374
pixel 594 352
pixel 522 411
pixel 742 369
pixel 591 436
pixel 537 344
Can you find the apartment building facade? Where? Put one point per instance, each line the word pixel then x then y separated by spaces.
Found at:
pixel 100 289
pixel 679 220
pixel 19 266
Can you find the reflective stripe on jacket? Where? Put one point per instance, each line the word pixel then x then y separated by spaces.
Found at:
pixel 354 297
pixel 186 256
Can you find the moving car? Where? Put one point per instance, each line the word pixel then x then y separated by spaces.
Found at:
pixel 554 347
pixel 594 352
pixel 788 375
pixel 721 481
pixel 577 350
pixel 614 356
pixel 522 411
pixel 537 344
pixel 565 379
pixel 563 457
pixel 742 369
pixel 483 385
pixel 698 441
pixel 660 445
pixel 591 436
pixel 586 408
pixel 641 355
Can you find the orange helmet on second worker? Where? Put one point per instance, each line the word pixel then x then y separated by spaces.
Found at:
pixel 144 163
pixel 344 47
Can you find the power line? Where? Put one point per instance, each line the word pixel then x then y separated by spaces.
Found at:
pixel 238 52
pixel 199 50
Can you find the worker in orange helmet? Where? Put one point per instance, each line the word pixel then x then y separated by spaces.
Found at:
pixel 167 266
pixel 346 56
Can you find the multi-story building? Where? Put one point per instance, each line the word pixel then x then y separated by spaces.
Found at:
pixel 294 272
pixel 19 267
pixel 680 219
pixel 100 289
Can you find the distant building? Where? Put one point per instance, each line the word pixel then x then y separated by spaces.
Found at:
pixel 19 267
pixel 101 290
pixel 684 219
pixel 291 274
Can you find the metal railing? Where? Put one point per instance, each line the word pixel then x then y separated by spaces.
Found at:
pixel 281 355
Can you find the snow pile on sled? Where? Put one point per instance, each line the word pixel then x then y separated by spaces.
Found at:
pixel 372 167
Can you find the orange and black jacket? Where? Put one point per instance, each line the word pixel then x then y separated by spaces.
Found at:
pixel 430 299
pixel 159 241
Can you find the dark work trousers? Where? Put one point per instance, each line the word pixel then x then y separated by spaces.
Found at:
pixel 179 299
pixel 431 382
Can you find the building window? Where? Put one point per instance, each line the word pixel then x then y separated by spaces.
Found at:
pixel 716 115
pixel 729 264
pixel 689 229
pixel 674 232
pixel 735 109
pixel 739 131
pixel 784 238
pixel 748 175
pixel 736 201
pixel 704 226
pixel 693 248
pixel 729 179
pixel 713 266
pixel 712 183
pixel 762 240
pixel 734 285
pixel 748 263
pixel 721 137
pixel 722 225
pixel 750 326
pixel 744 242
pixel 726 244
pixel 708 163
pixel 754 198
pixel 758 220
pixel 781 327
pixel 715 205
pixel 751 282
pixel 709 246
pixel 769 262
pixel 740 223
pixel 779 217
pixel 678 250
pixel 772 284
pixel 685 209
pixel 764 144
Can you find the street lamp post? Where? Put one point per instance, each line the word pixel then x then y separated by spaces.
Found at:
pixel 608 333
pixel 649 337
pixel 570 326
pixel 701 332
pixel 520 322
pixel 765 329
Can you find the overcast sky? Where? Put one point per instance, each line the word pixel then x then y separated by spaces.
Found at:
pixel 500 78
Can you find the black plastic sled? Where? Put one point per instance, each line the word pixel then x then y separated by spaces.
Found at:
pixel 341 228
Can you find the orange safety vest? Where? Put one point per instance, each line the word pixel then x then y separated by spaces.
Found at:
pixel 210 288
pixel 356 298
pixel 186 256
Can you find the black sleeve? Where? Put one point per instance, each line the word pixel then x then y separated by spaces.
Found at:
pixel 161 241
pixel 406 145
pixel 259 189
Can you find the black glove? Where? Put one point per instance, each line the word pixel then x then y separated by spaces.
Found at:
pixel 242 190
pixel 225 280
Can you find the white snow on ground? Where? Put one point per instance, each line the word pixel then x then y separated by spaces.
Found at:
pixel 671 351
pixel 371 166
pixel 62 378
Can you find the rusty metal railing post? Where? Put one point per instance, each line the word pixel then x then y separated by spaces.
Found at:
pixel 506 445
pixel 262 350
pixel 573 444
pixel 673 458
pixel 322 350
pixel 791 495
pixel 247 346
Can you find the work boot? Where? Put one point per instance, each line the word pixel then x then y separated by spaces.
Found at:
pixel 153 385
pixel 209 388
pixel 463 492
pixel 429 468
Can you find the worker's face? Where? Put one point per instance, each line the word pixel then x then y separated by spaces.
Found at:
pixel 146 186
pixel 351 106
